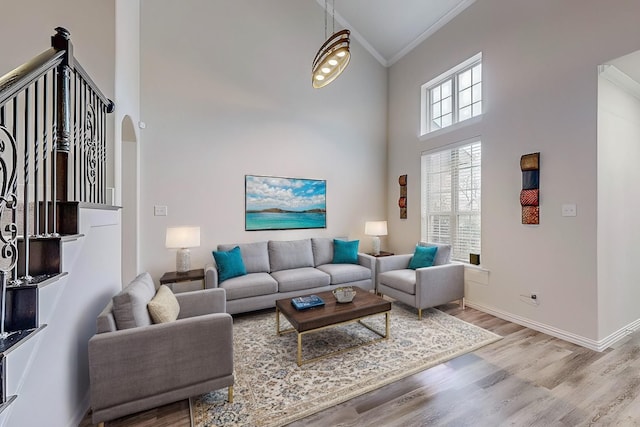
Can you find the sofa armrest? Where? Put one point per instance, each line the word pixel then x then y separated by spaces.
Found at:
pixel 367 260
pixel 198 303
pixel 210 276
pixel 439 284
pixel 393 262
pixel 140 362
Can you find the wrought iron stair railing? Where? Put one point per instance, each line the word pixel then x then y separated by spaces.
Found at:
pixel 53 155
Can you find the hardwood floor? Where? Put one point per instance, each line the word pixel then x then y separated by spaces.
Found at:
pixel 525 379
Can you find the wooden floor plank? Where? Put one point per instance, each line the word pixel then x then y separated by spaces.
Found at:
pixel 526 379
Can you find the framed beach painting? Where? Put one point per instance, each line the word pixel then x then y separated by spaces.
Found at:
pixel 276 203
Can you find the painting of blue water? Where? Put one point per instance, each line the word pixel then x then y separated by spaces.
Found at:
pixel 284 221
pixel 275 203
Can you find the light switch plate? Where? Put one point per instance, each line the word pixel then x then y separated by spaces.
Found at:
pixel 569 209
pixel 160 210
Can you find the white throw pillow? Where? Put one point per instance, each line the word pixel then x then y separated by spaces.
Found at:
pixel 164 307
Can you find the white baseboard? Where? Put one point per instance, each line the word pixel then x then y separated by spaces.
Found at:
pixel 81 411
pixel 596 345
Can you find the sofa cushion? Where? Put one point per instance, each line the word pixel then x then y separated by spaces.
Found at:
pixel 322 250
pixel 254 255
pixel 250 285
pixel 164 306
pixel 300 278
pixel 130 305
pixel 285 255
pixel 345 273
pixel 443 256
pixel 229 264
pixel 423 256
pixel 345 252
pixel 402 280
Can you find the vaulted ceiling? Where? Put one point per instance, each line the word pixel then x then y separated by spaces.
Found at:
pixel 389 29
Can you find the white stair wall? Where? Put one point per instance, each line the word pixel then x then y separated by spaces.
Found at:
pixel 49 373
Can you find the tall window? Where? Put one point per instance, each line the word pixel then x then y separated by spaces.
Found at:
pixel 451 184
pixel 453 96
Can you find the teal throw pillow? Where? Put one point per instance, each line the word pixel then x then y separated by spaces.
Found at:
pixel 423 257
pixel 345 252
pixel 229 264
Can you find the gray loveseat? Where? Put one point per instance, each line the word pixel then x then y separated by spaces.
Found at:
pixel 285 269
pixel 135 365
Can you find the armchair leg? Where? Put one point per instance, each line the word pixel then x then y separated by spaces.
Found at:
pixel 230 396
pixel 462 303
pixel 419 314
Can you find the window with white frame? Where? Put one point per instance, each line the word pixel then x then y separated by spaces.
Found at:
pixel 451 189
pixel 453 96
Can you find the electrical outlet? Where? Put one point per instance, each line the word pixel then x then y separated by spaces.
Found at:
pixel 569 209
pixel 160 210
pixel 531 297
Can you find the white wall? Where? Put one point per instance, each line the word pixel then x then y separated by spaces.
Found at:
pixel 57 375
pixel 540 94
pixel 28 25
pixel 127 77
pixel 127 115
pixel 51 370
pixel 226 91
pixel 27 28
pixel 618 206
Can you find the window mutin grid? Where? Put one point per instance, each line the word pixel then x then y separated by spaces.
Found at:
pixel 452 97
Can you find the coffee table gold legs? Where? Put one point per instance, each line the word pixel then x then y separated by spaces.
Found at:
pixel 386 335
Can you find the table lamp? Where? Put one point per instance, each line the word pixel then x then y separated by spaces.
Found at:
pixel 375 229
pixel 183 238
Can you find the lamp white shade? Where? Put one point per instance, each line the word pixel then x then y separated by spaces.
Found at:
pixel 183 237
pixel 375 228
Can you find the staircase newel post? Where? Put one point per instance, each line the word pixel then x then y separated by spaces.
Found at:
pixel 62 41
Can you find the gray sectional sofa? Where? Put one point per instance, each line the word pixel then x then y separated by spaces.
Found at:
pixel 285 269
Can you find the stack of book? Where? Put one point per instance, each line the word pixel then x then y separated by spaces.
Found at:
pixel 302 303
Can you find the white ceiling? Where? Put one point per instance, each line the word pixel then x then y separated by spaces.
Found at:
pixel 389 29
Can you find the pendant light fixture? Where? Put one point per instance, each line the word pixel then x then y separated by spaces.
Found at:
pixel 333 56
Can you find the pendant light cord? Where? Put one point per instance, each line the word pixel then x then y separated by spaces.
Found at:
pixel 325 19
pixel 333 17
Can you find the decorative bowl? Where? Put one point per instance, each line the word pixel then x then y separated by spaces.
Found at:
pixel 345 294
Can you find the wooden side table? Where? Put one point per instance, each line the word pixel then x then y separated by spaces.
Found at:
pixel 191 280
pixel 381 254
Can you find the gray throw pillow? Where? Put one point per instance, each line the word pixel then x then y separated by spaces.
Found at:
pixel 130 305
pixel 443 255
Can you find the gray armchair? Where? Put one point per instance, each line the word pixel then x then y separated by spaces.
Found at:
pixel 424 287
pixel 149 365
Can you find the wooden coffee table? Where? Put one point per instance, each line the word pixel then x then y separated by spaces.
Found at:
pixel 332 314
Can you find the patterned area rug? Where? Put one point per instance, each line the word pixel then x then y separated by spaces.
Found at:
pixel 271 390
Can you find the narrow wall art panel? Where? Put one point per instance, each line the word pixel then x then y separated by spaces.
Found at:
pixel 276 203
pixel 530 193
pixel 402 201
